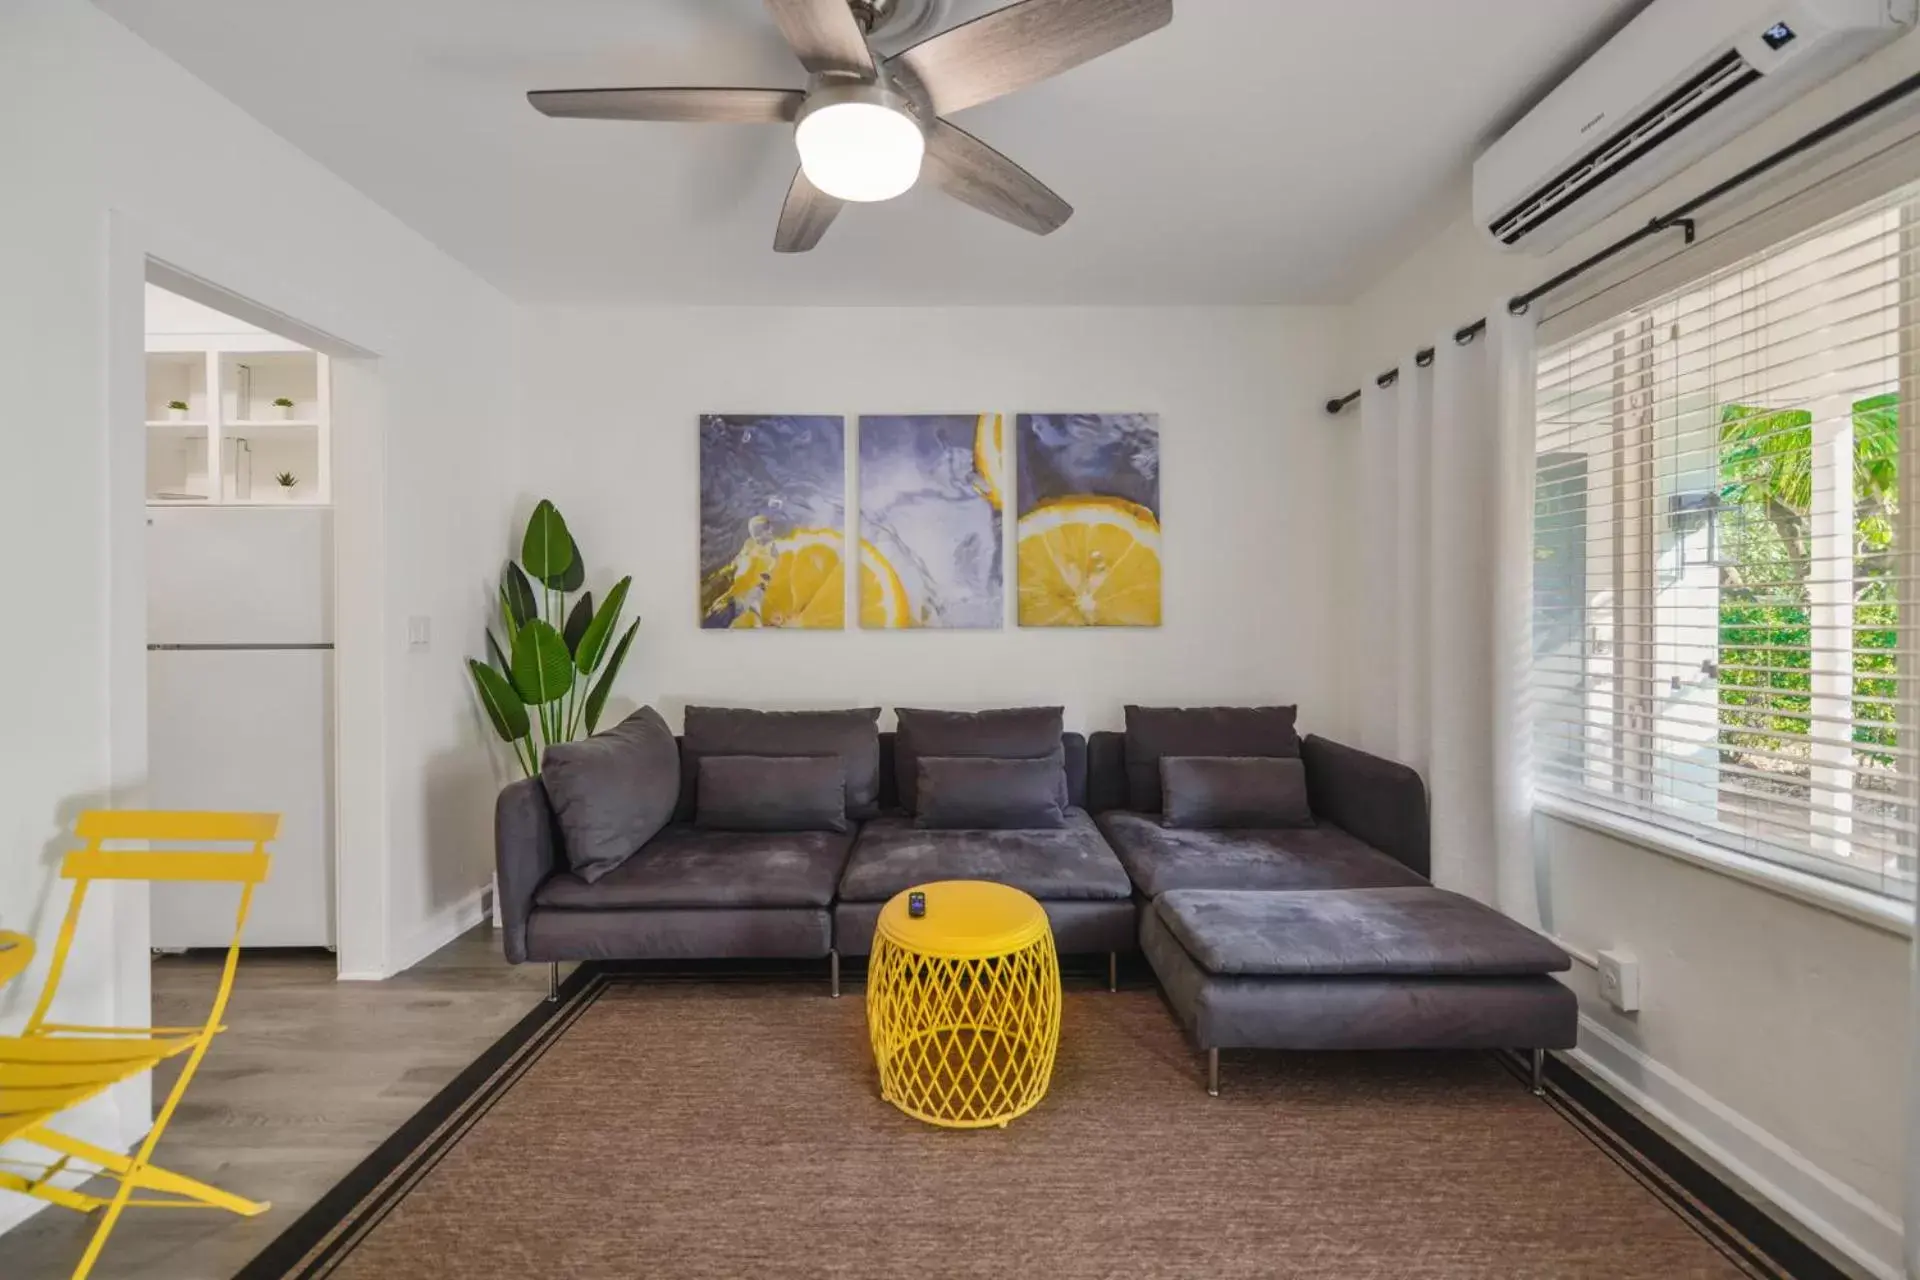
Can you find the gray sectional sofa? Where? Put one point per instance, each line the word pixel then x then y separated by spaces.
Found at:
pixel 1318 930
pixel 711 895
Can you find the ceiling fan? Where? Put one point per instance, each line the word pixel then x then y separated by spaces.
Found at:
pixel 864 124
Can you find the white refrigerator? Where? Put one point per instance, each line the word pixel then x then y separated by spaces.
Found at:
pixel 240 707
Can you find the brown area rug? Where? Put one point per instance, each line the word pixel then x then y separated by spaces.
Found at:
pixel 724 1130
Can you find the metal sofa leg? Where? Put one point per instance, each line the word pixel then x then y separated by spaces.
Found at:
pixel 833 965
pixel 553 981
pixel 1113 970
pixel 1539 1084
pixel 1213 1073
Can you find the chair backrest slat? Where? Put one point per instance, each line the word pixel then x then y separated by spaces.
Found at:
pixel 96 825
pixel 121 864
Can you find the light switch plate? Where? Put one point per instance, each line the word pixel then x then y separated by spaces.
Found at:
pixel 419 632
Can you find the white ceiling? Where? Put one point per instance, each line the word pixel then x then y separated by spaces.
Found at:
pixel 1254 151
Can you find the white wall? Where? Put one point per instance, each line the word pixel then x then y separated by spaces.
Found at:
pixel 611 397
pixel 1774 1033
pixel 136 157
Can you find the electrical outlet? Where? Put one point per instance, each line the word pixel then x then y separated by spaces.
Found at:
pixel 1619 980
pixel 419 632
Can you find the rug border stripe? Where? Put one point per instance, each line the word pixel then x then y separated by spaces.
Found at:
pixel 1695 1191
pixel 342 1205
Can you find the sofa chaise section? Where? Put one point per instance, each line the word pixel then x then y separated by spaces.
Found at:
pixel 1394 968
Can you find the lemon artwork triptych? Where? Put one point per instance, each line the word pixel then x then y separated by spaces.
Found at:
pixel 932 517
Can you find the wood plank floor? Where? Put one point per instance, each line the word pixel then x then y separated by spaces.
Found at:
pixel 313 1075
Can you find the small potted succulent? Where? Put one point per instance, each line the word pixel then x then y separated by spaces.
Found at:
pixel 284 405
pixel 286 480
pixel 176 411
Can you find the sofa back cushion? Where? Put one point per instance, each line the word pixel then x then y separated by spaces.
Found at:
pixel 613 791
pixel 1225 793
pixel 772 793
pixel 980 793
pixel 1018 733
pixel 853 736
pixel 1153 732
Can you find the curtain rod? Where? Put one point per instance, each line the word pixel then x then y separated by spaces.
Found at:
pixel 1681 218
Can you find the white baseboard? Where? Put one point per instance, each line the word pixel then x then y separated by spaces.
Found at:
pixel 1746 1154
pixel 442 927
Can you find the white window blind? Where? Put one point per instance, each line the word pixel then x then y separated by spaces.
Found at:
pixel 1724 622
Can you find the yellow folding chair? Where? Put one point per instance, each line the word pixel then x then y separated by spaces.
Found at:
pixel 52 1066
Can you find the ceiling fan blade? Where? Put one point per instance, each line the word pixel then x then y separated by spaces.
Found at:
pixel 1023 44
pixel 714 106
pixel 805 217
pixel 825 35
pixel 975 174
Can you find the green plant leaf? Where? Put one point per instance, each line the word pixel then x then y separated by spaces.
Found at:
pixel 547 550
pixel 504 708
pixel 507 624
pixel 597 700
pixel 574 576
pixel 518 594
pixel 497 657
pixel 578 621
pixel 593 645
pixel 542 667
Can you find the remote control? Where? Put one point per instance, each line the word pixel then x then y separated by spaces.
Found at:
pixel 916 904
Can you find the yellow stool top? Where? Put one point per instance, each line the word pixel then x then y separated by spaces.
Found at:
pixel 965 920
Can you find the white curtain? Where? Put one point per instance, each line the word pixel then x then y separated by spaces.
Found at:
pixel 1446 482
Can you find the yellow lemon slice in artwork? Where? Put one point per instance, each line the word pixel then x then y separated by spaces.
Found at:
pixel 988 458
pixel 883 598
pixel 1089 562
pixel 800 581
pixel 806 583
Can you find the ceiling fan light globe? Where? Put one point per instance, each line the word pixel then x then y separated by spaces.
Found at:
pixel 860 151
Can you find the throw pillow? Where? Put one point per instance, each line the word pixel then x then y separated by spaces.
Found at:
pixel 1153 732
pixel 1224 792
pixel 612 792
pixel 977 793
pixel 772 793
pixel 853 735
pixel 1016 733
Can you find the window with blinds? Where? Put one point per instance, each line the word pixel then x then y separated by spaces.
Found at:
pixel 1724 623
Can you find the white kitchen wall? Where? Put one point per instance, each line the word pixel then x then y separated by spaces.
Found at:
pixel 609 400
pixel 138 149
pixel 1774 1033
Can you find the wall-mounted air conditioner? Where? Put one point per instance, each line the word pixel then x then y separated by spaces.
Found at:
pixel 1684 77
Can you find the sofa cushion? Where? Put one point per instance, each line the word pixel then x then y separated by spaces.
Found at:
pixel 611 792
pixel 1319 857
pixel 966 793
pixel 1013 733
pixel 1360 932
pixel 772 793
pixel 1227 792
pixel 1153 732
pixel 1073 862
pixel 687 867
pixel 853 735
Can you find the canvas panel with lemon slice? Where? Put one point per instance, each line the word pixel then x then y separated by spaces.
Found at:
pixel 1088 537
pixel 930 502
pixel 773 511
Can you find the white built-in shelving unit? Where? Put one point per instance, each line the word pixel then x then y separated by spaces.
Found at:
pixel 232 441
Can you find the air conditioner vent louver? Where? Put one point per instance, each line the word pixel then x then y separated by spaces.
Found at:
pixel 1714 85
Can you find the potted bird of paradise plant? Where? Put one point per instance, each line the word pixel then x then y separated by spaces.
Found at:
pixel 549 672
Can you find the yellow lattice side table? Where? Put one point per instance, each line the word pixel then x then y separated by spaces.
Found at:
pixel 963 1004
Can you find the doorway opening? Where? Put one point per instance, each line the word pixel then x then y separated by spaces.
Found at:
pixel 240 583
